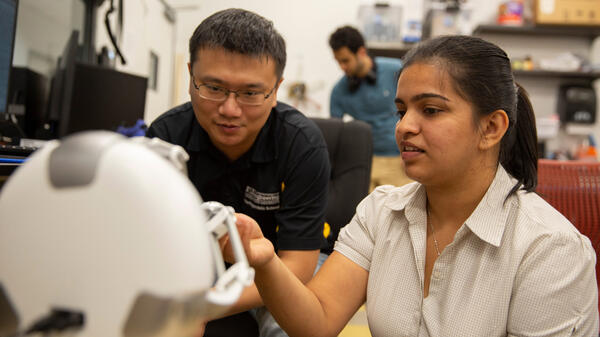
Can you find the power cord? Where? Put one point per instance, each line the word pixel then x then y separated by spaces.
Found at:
pixel 58 320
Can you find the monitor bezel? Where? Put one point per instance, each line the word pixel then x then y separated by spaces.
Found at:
pixel 4 109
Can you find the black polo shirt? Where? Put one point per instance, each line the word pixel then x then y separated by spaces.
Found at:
pixel 281 181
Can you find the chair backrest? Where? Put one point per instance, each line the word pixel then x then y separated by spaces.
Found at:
pixel 350 146
pixel 573 188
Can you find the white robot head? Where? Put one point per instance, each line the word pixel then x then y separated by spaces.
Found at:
pixel 105 235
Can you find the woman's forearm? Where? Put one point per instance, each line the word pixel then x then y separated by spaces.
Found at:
pixel 295 307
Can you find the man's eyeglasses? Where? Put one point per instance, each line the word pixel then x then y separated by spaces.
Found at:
pixel 220 94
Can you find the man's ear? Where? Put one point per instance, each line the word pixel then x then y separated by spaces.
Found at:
pixel 190 85
pixel 493 127
pixel 275 92
pixel 361 51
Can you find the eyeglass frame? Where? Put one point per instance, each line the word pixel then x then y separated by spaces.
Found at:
pixel 229 91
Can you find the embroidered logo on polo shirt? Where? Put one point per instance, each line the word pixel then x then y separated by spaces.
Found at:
pixel 260 200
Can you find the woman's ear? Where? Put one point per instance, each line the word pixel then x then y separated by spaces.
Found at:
pixel 493 127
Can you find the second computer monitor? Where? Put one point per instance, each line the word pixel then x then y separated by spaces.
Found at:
pixel 103 98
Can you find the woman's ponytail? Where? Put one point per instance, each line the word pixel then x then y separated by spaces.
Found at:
pixel 518 153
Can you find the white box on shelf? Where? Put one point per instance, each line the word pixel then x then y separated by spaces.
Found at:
pixel 579 129
pixel 547 127
pixel 380 23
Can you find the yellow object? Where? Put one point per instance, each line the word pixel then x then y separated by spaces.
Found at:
pixel 355 331
pixel 357 327
pixel 326 230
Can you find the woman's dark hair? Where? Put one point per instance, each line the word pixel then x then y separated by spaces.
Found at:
pixel 346 36
pixel 482 75
pixel 240 31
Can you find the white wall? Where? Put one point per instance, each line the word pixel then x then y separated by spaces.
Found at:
pixel 145 29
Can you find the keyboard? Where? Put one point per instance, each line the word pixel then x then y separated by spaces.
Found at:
pixel 16 150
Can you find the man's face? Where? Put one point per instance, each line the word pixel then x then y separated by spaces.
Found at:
pixel 350 62
pixel 231 126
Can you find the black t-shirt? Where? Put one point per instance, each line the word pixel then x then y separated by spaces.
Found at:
pixel 281 181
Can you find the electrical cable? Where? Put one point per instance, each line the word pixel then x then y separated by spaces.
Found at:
pixel 110 33
pixel 56 321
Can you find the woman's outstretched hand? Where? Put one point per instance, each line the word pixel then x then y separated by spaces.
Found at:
pixel 259 250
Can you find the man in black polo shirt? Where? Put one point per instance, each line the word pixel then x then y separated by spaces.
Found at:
pixel 248 151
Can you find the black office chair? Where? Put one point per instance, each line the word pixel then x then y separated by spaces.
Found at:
pixel 350 147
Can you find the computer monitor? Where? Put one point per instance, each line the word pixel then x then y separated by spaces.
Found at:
pixel 8 19
pixel 91 97
pixel 62 86
pixel 103 99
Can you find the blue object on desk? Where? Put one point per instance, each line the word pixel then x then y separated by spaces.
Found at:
pixel 12 160
pixel 139 129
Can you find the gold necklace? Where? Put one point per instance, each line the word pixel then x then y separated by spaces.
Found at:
pixel 435 243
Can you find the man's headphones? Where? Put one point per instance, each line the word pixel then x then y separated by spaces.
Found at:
pixel 371 77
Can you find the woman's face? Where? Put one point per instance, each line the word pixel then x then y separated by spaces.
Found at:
pixel 436 133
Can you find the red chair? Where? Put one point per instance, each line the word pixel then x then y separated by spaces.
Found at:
pixel 573 188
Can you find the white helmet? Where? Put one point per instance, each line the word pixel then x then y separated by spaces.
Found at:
pixel 102 235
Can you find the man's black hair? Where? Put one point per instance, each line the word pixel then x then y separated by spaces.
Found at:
pixel 240 31
pixel 346 36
